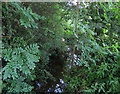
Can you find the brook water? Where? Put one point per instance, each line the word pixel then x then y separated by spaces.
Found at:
pixel 59 85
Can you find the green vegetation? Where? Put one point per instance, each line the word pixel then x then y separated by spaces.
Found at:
pixel 43 42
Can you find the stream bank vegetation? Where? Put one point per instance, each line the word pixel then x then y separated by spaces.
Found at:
pixel 61 47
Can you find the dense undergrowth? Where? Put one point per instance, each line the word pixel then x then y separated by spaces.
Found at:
pixel 36 38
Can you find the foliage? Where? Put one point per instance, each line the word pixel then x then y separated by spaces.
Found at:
pixel 20 64
pixel 19 55
pixel 29 39
pixel 48 37
pixel 97 64
pixel 38 38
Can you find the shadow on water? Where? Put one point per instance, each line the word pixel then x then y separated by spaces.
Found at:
pixel 59 64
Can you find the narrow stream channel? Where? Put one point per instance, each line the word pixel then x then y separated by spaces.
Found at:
pixel 59 85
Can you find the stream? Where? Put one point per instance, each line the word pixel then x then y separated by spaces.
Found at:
pixel 59 85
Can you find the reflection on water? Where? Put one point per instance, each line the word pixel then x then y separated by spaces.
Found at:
pixel 49 90
pixel 60 88
pixel 61 81
pixel 59 85
pixel 39 85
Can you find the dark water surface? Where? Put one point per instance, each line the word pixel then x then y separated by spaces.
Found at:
pixel 58 71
